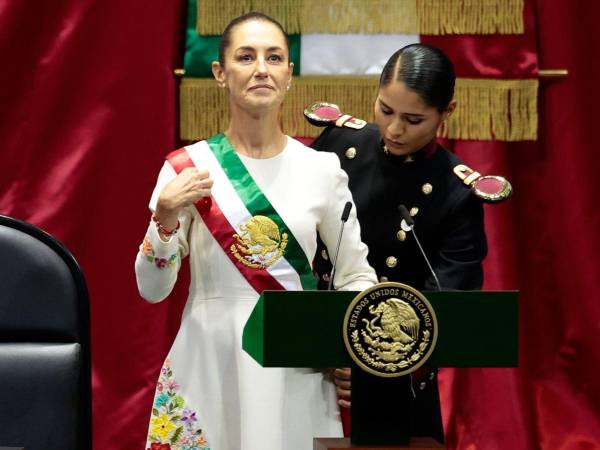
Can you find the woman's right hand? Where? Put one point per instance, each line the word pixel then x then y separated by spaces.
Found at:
pixel 189 186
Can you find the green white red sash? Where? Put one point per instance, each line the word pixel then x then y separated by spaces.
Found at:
pixel 231 215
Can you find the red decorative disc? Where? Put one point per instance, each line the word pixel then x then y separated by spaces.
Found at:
pixel 489 185
pixel 492 188
pixel 327 112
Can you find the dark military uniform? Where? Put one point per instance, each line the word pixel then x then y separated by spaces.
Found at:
pixel 448 222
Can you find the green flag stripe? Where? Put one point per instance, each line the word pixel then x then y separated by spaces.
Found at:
pixel 258 204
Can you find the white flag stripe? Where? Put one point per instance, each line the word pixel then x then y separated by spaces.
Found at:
pixel 227 198
pixel 349 54
pixel 234 209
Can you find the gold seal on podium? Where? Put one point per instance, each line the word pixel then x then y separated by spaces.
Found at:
pixel 390 329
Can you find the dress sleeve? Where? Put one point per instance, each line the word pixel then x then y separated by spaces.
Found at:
pixel 458 263
pixel 157 262
pixel 353 272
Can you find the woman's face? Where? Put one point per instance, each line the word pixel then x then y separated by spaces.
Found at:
pixel 405 121
pixel 257 70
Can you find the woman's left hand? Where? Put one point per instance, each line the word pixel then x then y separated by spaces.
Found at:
pixel 342 380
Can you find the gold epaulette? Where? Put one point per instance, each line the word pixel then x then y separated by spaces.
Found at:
pixel 490 188
pixel 322 114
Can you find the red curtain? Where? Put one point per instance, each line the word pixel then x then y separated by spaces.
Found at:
pixel 544 241
pixel 88 110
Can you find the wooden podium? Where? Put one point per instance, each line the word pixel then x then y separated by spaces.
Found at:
pixel 416 443
pixel 304 329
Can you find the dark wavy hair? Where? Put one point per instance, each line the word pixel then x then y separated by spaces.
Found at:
pixel 253 15
pixel 425 70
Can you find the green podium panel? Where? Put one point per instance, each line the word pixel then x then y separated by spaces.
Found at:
pixel 304 329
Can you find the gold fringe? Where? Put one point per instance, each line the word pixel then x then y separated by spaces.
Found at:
pixel 315 16
pixel 487 109
pixel 431 17
pixel 470 16
pixel 492 109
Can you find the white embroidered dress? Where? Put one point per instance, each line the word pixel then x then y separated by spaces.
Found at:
pixel 210 393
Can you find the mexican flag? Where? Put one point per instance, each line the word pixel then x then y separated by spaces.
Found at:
pixel 339 50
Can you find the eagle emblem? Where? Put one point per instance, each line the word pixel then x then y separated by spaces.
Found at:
pixel 396 333
pixel 259 243
pixel 390 329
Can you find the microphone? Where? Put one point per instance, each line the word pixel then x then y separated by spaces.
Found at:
pixel 344 218
pixel 408 224
pixel 346 212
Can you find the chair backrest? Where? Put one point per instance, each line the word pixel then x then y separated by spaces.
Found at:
pixel 45 374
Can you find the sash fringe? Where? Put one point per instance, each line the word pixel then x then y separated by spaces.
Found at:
pixel 431 17
pixel 487 109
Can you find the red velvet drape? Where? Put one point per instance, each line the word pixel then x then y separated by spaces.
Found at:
pixel 88 109
pixel 543 242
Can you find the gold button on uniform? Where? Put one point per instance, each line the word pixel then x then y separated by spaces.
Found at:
pixel 422 385
pixel 324 255
pixel 350 153
pixel 391 261
pixel 427 188
pixel 414 211
pixel 401 235
pixel 325 277
pixel 383 279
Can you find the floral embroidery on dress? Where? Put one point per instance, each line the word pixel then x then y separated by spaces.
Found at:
pixel 147 252
pixel 172 425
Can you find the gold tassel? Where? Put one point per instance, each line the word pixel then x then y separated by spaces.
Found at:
pixel 371 16
pixel 487 109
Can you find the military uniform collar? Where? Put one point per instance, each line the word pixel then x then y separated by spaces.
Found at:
pixel 424 153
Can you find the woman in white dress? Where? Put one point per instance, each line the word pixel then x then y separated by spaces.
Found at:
pixel 245 206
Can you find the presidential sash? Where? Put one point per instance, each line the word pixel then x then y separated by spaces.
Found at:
pixel 243 221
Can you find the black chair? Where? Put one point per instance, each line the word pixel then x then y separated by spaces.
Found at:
pixel 45 375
